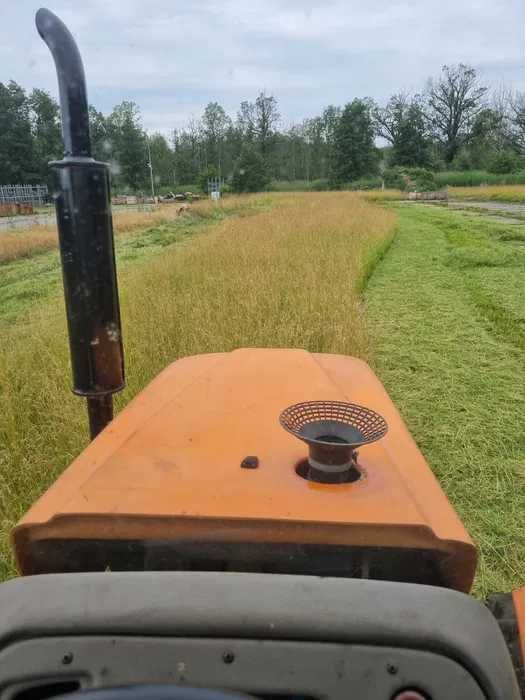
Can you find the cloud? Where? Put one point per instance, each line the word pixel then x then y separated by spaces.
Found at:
pixel 173 58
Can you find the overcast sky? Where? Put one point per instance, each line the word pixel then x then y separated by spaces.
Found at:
pixel 172 57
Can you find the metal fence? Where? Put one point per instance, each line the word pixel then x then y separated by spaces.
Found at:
pixel 37 195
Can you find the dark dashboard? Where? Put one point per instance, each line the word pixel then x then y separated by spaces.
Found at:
pixel 269 636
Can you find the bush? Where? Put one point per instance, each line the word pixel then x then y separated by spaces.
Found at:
pixel 462 161
pixel 410 179
pixel 393 179
pixel 475 178
pixel 365 183
pixel 319 185
pixel 502 163
pixel 250 173
pixel 423 180
pixel 289 186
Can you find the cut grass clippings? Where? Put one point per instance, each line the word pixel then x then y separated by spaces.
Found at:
pixel 448 311
pixel 288 276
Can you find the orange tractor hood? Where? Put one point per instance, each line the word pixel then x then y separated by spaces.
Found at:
pixel 168 468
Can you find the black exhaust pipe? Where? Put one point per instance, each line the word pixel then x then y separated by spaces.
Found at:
pixel 80 187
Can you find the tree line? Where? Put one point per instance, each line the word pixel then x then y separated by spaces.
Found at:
pixel 456 122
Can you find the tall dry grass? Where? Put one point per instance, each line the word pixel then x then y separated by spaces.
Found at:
pixel 23 243
pixel 288 277
pixel 383 195
pixel 501 193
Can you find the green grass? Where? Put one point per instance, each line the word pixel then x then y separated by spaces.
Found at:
pixel 373 182
pixel 448 311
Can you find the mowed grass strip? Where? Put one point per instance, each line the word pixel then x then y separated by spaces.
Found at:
pixel 27 242
pixel 31 279
pixel 449 348
pixel 290 276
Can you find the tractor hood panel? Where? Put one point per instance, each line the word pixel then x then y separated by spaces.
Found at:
pixel 168 469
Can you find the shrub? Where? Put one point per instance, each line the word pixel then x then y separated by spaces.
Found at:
pixel 423 180
pixel 410 179
pixel 365 183
pixel 503 162
pixel 475 178
pixel 393 179
pixel 250 173
pixel 462 161
pixel 320 185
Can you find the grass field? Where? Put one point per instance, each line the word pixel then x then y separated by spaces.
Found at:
pixel 266 279
pixel 501 193
pixel 25 243
pixel 443 323
pixel 447 306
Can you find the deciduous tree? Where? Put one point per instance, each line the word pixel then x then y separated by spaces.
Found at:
pixel 355 154
pixel 257 121
pixel 45 121
pixel 17 152
pixel 215 124
pixel 127 144
pixel 402 123
pixel 454 101
pixel 250 174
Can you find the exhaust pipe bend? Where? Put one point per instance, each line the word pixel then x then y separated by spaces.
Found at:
pixel 81 190
pixel 71 83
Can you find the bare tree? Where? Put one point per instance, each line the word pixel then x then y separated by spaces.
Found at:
pixel 454 101
pixel 198 151
pixel 388 119
pixel 246 120
pixel 257 120
pixel 215 123
pixel 516 121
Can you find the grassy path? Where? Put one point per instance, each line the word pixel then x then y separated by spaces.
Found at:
pixel 447 305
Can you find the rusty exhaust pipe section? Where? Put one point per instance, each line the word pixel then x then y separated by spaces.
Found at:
pixel 80 187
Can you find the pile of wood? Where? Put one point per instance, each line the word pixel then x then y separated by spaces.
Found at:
pixel 15 208
pixel 180 197
pixel 125 199
pixel 169 197
pixel 426 196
